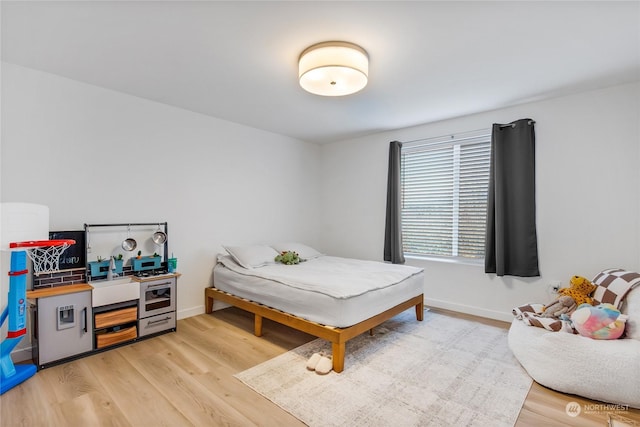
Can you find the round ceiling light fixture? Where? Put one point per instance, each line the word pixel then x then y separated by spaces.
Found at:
pixel 333 68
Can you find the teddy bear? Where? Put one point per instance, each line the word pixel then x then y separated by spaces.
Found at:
pixel 602 322
pixel 563 305
pixel 579 289
pixel 570 298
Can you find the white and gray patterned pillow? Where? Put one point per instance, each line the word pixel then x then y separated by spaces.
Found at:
pixel 613 285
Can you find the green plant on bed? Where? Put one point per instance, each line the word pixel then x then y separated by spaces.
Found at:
pixel 288 258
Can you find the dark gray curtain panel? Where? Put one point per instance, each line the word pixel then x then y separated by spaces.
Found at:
pixel 393 224
pixel 511 246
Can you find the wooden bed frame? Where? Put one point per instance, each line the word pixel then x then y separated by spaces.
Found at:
pixel 337 336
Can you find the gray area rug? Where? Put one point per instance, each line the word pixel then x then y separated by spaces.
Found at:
pixel 443 371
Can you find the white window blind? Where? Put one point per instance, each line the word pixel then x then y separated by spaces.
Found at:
pixel 444 195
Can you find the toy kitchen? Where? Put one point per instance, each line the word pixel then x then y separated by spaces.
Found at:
pixel 129 295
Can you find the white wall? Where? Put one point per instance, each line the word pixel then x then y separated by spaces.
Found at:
pixel 588 198
pixel 98 156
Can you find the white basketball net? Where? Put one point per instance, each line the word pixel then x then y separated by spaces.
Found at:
pixel 46 259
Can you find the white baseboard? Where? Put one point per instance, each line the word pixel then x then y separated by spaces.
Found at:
pixel 190 312
pixel 468 309
pixel 22 354
pixel 194 311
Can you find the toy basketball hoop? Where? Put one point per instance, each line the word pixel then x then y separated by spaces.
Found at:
pixel 45 254
pixel 27 224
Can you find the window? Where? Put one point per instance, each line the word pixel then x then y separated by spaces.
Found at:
pixel 444 195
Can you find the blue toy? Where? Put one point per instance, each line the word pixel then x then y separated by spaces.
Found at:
pixel 16 311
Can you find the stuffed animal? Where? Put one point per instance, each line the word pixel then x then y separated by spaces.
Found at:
pixel 563 305
pixel 288 258
pixel 579 289
pixel 602 322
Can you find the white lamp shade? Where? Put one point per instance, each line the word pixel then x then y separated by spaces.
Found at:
pixel 333 69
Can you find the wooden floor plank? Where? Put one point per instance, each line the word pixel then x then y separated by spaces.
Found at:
pixel 92 409
pixel 147 406
pixel 195 402
pixel 71 380
pixel 12 405
pixel 544 406
pixel 257 410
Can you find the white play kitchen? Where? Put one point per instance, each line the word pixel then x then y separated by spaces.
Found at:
pixel 129 294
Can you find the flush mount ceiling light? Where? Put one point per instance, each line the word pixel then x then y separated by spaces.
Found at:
pixel 333 68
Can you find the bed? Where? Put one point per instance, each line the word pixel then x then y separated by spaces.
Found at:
pixel 332 298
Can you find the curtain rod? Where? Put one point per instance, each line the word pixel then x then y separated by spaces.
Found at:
pixel 127 224
pixel 462 135
pixel 512 125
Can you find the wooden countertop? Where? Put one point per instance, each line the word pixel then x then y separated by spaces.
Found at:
pixel 58 290
pixel 79 287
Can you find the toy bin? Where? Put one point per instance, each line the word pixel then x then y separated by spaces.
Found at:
pixel 101 268
pixel 146 263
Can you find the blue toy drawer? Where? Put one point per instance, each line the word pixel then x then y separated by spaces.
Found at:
pixel 101 268
pixel 146 263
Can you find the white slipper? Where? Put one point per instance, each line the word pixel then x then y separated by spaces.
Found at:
pixel 324 366
pixel 313 361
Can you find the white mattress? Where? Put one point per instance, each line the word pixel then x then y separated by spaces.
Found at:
pixel 327 308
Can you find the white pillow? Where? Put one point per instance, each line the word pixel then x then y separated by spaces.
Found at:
pixel 304 251
pixel 252 256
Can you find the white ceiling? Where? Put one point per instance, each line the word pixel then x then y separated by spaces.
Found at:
pixel 238 60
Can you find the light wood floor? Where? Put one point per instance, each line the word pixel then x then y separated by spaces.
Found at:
pixel 186 378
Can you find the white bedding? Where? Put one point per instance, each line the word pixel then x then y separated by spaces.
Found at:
pixel 333 276
pixel 328 290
